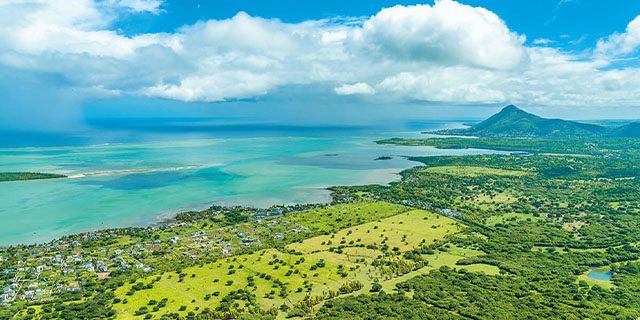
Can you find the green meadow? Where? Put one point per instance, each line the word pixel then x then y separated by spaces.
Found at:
pixel 297 279
pixel 473 171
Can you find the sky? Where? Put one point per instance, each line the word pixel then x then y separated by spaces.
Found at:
pixel 65 61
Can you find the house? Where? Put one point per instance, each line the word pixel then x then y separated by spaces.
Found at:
pixel 247 241
pixel 450 213
pixel 101 266
pixel 226 249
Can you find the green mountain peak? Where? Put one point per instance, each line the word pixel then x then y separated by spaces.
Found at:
pixel 512 121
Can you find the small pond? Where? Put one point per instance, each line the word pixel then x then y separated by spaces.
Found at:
pixel 599 275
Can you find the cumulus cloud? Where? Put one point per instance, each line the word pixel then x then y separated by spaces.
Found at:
pixel 458 84
pixel 619 44
pixel 356 88
pixel 72 27
pixel 447 33
pixel 445 52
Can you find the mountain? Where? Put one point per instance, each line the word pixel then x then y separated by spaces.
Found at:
pixel 631 130
pixel 515 122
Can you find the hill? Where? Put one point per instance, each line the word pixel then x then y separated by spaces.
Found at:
pixel 515 122
pixel 631 130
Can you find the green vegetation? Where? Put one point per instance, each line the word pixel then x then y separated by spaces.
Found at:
pixel 571 207
pixel 304 274
pixel 596 147
pixel 472 171
pixel 227 262
pixel 19 176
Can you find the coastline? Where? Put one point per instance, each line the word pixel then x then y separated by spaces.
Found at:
pixel 169 217
pixel 381 176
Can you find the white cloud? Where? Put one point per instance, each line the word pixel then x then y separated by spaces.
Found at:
pixel 152 6
pixel 64 27
pixel 356 88
pixel 446 33
pixel 447 52
pixel 621 43
pixel 216 87
pixel 543 41
pixel 457 85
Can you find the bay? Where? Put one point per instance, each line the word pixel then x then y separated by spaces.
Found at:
pixel 137 183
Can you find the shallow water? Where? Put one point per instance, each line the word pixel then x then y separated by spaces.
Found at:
pixel 134 184
pixel 600 275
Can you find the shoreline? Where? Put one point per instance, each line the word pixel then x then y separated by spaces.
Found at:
pixel 162 218
pixel 168 217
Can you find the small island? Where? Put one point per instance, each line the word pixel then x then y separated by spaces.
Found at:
pixel 384 158
pixel 21 176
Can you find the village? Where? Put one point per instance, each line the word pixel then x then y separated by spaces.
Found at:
pixel 70 266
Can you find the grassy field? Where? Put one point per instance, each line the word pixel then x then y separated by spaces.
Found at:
pixel 316 267
pixel 272 273
pixel 343 216
pixel 472 171
pixel 404 231
pixel 449 259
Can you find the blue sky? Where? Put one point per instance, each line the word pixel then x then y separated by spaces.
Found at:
pixel 62 62
pixel 573 24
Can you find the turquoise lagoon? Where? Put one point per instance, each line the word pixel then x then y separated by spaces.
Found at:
pixel 140 183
